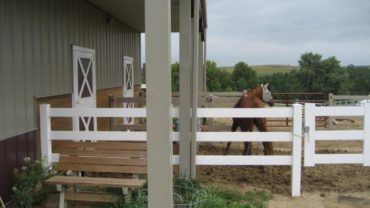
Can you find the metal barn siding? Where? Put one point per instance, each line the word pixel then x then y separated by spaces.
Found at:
pixel 36 39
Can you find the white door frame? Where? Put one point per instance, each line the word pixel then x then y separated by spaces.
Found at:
pixel 79 100
pixel 128 85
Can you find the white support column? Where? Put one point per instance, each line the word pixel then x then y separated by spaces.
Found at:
pixel 45 128
pixel 195 94
pixel 367 135
pixel 185 88
pixel 309 138
pixel 200 68
pixel 159 112
pixel 297 150
pixel 205 61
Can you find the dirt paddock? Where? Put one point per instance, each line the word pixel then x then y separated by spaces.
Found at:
pixel 322 185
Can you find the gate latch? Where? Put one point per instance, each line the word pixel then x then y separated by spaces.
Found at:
pixel 306 129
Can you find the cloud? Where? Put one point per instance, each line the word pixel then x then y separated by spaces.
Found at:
pixel 273 31
pixel 278 32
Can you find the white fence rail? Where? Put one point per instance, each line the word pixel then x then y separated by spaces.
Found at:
pixel 295 137
pixel 47 134
pixel 312 135
pixel 348 100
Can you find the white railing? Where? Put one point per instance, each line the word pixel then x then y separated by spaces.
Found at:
pixel 348 100
pixel 312 135
pixel 47 134
pixel 295 136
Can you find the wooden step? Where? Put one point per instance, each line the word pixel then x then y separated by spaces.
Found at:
pixel 90 197
pixel 96 181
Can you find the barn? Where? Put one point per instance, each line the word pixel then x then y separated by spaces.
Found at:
pixel 75 53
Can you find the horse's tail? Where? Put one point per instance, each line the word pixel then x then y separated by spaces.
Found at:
pixel 234 126
pixel 239 103
pixel 236 121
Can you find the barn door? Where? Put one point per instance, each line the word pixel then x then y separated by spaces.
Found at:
pixel 128 85
pixel 84 86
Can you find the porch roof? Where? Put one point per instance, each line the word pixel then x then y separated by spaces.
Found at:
pixel 132 12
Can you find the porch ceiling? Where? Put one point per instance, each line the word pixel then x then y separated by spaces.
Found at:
pixel 131 12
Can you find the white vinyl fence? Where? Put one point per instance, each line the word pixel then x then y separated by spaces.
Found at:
pixel 294 160
pixel 294 136
pixel 348 100
pixel 312 135
pixel 47 134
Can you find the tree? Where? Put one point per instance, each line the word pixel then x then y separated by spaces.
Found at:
pixel 175 77
pixel 243 77
pixel 317 75
pixel 278 82
pixel 360 79
pixel 217 79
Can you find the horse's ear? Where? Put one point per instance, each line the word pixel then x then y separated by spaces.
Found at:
pixel 266 85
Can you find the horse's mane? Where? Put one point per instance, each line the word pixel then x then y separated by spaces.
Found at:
pixel 256 92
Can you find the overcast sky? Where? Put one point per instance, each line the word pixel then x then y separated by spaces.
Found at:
pixel 279 31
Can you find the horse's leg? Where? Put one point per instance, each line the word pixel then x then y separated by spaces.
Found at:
pixel 247 148
pixel 262 127
pixel 233 129
pixel 247 125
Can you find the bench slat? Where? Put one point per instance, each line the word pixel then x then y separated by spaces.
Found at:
pixel 110 145
pixel 96 181
pixel 101 168
pixel 101 153
pixel 102 161
pixel 134 127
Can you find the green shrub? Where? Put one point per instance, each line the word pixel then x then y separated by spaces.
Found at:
pixel 191 194
pixel 29 188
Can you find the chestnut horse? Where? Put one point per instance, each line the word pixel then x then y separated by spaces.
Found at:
pixel 255 98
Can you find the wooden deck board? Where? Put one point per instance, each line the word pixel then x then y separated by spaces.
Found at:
pixel 95 181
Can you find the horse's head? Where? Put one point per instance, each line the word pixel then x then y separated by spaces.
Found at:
pixel 266 95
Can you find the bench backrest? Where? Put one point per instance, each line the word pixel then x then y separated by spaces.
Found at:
pixel 102 156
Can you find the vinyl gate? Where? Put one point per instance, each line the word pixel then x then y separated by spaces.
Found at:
pixel 293 160
pixel 311 158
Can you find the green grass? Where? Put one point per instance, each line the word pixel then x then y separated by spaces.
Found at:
pixel 263 70
pixel 189 193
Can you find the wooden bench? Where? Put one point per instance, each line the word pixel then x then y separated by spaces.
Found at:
pixel 101 164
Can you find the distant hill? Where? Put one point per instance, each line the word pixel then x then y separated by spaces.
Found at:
pixel 263 70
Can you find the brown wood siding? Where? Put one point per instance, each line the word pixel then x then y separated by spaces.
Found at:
pixel 12 152
pixel 65 101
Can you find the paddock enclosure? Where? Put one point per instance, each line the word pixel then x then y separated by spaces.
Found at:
pixel 282 169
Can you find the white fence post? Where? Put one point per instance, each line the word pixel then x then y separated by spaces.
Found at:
pixel 330 103
pixel 210 104
pixel 296 150
pixel 367 134
pixel 309 134
pixel 45 128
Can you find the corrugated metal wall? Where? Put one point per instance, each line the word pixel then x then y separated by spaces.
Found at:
pixel 36 39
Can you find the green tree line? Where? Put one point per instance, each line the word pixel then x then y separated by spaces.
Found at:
pixel 315 75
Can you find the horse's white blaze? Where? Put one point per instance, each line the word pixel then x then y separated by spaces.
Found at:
pixel 266 94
